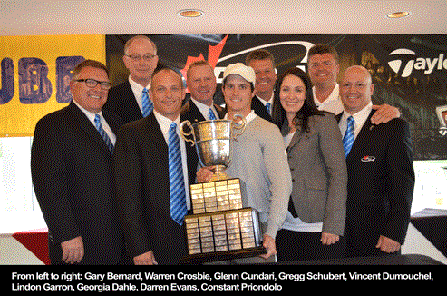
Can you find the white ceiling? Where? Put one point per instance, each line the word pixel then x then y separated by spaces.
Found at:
pixel 22 17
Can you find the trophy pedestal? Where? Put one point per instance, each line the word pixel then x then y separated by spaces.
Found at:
pixel 220 229
pixel 219 174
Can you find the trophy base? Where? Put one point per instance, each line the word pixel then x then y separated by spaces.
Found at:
pixel 219 174
pixel 229 256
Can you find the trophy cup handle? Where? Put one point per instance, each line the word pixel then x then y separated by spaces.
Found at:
pixel 238 129
pixel 190 133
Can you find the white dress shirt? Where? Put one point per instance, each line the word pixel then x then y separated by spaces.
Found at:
pixel 204 109
pixel 105 125
pixel 137 90
pixel 359 120
pixel 165 125
pixel 269 101
pixel 332 104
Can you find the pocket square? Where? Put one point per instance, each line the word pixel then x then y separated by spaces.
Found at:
pixel 368 158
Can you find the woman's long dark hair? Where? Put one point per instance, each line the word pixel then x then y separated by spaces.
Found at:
pixel 309 108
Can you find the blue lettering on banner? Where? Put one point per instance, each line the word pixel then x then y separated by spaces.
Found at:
pixel 64 69
pixel 7 90
pixel 34 85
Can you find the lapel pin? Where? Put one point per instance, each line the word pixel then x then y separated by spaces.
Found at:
pixel 368 158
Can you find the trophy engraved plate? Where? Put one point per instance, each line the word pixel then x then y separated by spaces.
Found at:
pixel 216 196
pixel 222 231
pixel 212 139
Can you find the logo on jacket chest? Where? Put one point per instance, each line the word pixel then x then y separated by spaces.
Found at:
pixel 368 158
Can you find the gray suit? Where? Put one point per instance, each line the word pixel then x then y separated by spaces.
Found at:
pixel 317 164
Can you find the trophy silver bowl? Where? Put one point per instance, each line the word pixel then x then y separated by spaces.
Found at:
pixel 213 142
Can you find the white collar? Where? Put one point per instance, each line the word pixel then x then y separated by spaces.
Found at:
pixel 204 108
pixel 90 115
pixel 333 96
pixel 136 87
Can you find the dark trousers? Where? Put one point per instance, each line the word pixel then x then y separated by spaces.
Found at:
pixel 306 246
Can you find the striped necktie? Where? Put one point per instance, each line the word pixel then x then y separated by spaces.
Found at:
pixel 348 139
pixel 267 106
pixel 177 184
pixel 101 131
pixel 212 116
pixel 146 104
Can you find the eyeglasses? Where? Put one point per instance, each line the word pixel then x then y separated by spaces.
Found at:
pixel 92 83
pixel 137 57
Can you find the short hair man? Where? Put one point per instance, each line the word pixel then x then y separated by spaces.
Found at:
pixel 258 156
pixel 323 68
pixel 153 168
pixel 72 170
pixel 202 84
pixel 131 100
pixel 263 63
pixel 380 171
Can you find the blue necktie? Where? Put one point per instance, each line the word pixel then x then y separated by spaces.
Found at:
pixel 101 131
pixel 212 116
pixel 268 107
pixel 146 104
pixel 348 139
pixel 177 184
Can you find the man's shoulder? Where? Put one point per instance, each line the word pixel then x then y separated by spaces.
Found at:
pixel 120 88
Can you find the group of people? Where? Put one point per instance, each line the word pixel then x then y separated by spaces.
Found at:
pixel 329 173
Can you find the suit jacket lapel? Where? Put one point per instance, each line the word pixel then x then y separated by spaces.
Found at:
pixel 364 136
pixel 84 124
pixel 195 112
pixel 132 101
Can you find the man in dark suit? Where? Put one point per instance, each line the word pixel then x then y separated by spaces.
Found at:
pixel 202 84
pixel 72 171
pixel 380 171
pixel 130 99
pixel 263 62
pixel 145 178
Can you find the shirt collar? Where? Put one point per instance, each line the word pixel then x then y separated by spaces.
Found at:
pixel 332 97
pixel 90 115
pixel 361 116
pixel 137 88
pixel 204 108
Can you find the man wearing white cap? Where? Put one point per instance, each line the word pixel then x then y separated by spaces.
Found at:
pixel 258 156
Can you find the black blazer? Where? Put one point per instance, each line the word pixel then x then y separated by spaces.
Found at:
pixel 191 112
pixel 380 185
pixel 122 102
pixel 142 177
pixel 72 173
pixel 260 109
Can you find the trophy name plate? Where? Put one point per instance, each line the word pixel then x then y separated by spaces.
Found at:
pixel 220 228
pixel 216 196
pixel 232 230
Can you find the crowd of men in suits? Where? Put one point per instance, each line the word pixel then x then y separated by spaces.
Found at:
pixel 111 174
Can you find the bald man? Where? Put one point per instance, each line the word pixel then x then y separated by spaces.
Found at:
pixel 379 160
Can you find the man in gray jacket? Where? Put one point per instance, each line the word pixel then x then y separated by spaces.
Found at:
pixel 258 157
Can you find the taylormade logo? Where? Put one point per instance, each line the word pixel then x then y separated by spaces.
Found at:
pixel 407 62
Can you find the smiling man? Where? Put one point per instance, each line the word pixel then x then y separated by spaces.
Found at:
pixel 202 86
pixel 72 170
pixel 379 161
pixel 258 157
pixel 153 168
pixel 263 63
pixel 130 99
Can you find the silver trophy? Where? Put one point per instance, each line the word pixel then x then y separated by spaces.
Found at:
pixel 213 139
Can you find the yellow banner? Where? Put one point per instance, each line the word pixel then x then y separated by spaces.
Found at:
pixel 35 76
